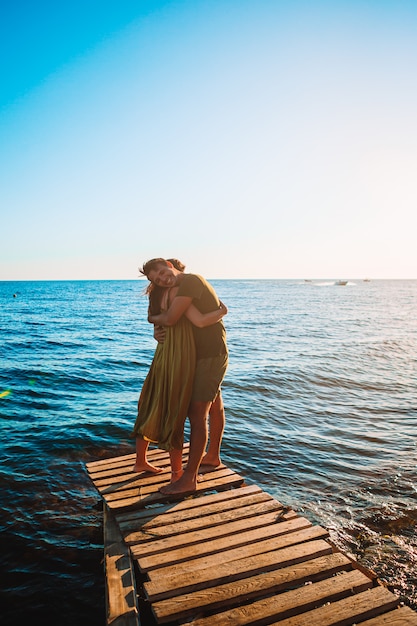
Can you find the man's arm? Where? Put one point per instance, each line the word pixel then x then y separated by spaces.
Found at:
pixel 168 318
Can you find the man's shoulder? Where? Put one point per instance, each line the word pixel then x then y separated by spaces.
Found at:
pixel 190 284
pixel 193 279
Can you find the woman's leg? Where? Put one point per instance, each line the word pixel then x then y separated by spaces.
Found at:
pixel 142 464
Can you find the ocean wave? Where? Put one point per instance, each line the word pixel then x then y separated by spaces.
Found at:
pixel 320 412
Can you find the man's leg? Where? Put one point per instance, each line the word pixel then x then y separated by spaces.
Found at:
pixel 217 421
pixel 197 415
pixel 176 465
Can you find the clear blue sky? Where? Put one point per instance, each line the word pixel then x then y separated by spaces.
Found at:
pixel 249 138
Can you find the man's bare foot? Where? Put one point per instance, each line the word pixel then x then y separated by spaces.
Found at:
pixel 182 486
pixel 211 460
pixel 176 475
pixel 147 467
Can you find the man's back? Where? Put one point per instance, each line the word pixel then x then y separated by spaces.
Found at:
pixel 211 340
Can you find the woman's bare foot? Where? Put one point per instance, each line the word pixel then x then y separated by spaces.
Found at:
pixel 182 486
pixel 147 467
pixel 211 460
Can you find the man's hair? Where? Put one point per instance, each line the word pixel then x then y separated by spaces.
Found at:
pixel 177 264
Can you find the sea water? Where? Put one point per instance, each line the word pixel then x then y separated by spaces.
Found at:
pixel 321 409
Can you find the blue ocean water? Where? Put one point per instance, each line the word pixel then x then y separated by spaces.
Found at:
pixel 321 409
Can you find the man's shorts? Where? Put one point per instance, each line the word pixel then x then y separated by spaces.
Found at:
pixel 209 374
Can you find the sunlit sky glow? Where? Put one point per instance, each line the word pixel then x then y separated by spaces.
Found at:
pixel 249 138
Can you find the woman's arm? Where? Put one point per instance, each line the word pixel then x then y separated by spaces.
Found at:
pixel 159 333
pixel 201 320
pixel 168 318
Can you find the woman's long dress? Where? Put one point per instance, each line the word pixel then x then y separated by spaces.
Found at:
pixel 166 392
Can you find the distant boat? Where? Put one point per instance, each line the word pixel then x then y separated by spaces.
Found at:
pixel 366 280
pixel 341 282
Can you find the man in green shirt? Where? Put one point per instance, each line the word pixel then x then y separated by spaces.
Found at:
pixel 211 352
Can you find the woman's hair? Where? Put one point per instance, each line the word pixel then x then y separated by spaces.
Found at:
pixel 153 291
pixel 151 265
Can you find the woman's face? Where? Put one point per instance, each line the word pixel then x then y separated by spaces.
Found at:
pixel 163 276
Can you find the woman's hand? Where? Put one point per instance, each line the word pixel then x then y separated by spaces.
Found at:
pixel 159 333
pixel 223 308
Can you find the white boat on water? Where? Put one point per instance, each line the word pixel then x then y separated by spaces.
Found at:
pixel 341 282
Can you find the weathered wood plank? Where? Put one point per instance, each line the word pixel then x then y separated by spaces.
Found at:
pixel 169 586
pixel 121 598
pixel 185 555
pixel 118 486
pixel 109 481
pixel 140 497
pixel 349 610
pixel 230 557
pixel 206 521
pixel 243 552
pixel 124 518
pixel 241 591
pixel 403 616
pixel 109 474
pixel 192 538
pixel 126 459
pixel 115 483
pixel 175 516
pixel 291 602
pixel 118 460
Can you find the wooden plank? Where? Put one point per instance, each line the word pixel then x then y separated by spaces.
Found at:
pixel 92 465
pixel 403 616
pixel 250 549
pixel 349 610
pixel 128 519
pixel 121 597
pixel 289 603
pixel 185 555
pixel 237 555
pixel 120 465
pixel 116 461
pixel 192 538
pixel 111 485
pixel 140 497
pixel 111 473
pixel 196 523
pixel 109 478
pixel 175 516
pixel 118 486
pixel 241 591
pixel 169 586
pixel 126 462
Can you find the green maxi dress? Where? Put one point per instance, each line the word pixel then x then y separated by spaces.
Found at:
pixel 166 393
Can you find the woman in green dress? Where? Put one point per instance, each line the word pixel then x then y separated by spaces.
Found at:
pixel 166 392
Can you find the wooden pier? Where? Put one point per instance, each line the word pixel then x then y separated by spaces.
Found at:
pixel 229 555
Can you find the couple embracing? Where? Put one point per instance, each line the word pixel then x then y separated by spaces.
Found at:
pixel 186 373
